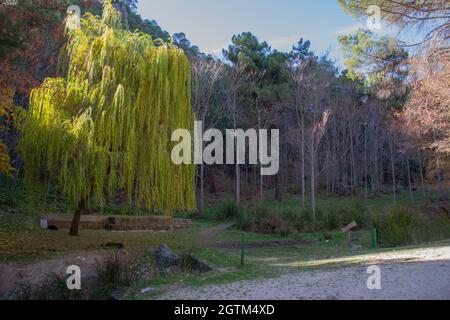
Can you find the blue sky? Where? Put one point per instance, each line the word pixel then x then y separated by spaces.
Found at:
pixel 210 24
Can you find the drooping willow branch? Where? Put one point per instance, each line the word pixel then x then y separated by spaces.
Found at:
pixel 104 128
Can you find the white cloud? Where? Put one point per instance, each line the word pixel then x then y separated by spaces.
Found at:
pixel 287 42
pixel 348 30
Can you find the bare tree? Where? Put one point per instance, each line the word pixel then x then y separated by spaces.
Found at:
pixel 205 75
pixel 427 111
pixel 316 134
pixel 299 78
pixel 237 75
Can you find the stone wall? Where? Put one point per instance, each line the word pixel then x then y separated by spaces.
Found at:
pixel 119 223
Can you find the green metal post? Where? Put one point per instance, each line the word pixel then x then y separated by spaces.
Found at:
pixel 242 249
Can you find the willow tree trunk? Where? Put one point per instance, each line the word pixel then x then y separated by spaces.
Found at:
pixel 75 227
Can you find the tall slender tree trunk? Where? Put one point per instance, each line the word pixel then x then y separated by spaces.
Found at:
pixel 75 226
pixel 352 162
pixel 301 123
pixel 237 167
pixel 391 149
pixel 313 160
pixel 409 180
pixel 278 197
pixel 202 176
pixel 313 186
pixel 303 162
pixel 211 180
pixel 422 178
pixel 261 178
pixel 443 191
pixel 202 190
pixel 365 165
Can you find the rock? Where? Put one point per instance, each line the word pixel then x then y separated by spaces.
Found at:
pixel 165 258
pixel 146 290
pixel 193 264
pixel 172 270
pixel 116 295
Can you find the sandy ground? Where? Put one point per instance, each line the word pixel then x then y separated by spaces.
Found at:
pixel 406 275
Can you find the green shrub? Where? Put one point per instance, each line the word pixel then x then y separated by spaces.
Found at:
pixel 243 222
pixel 326 236
pixel 396 226
pixel 228 211
pixel 269 224
pixel 115 273
pixel 53 287
pixel 260 212
pixel 336 217
pixel 260 219
pixel 356 212
pixel 23 292
pixel 432 229
pixel 298 236
pixel 284 231
pixel 187 262
pixel 294 218
pixel 330 218
pixel 306 215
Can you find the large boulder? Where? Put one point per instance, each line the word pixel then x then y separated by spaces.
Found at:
pixel 165 258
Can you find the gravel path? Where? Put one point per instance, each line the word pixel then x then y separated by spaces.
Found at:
pixel 409 275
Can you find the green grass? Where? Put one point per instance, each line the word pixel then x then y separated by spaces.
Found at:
pixel 272 261
pixel 290 201
pixel 21 240
pixel 383 200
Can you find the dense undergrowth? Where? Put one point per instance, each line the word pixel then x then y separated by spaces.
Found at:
pixel 397 224
pixel 400 224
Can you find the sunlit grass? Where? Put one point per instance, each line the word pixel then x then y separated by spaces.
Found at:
pixel 437 253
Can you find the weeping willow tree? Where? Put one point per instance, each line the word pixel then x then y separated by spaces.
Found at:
pixel 104 129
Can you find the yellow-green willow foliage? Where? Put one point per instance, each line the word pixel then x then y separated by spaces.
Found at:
pixel 105 129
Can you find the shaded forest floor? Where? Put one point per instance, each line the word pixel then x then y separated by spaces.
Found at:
pixel 21 239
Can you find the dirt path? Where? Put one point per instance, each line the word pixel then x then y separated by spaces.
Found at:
pixel 418 274
pixel 216 229
pixel 14 274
